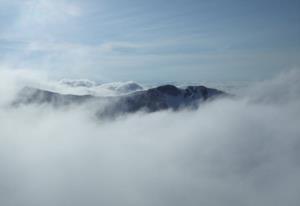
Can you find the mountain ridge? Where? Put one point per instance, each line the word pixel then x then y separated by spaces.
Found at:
pixel 150 100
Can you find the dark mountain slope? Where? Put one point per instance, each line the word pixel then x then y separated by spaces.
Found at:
pixel 151 100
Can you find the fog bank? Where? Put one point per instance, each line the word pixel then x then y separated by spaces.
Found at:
pixel 241 151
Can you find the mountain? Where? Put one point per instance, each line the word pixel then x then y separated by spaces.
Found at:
pixel 151 100
pixel 29 95
pixel 168 97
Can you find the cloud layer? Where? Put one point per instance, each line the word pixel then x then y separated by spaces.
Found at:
pixel 242 151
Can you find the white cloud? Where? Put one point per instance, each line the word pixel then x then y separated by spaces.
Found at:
pixel 242 151
pixel 39 20
pixel 69 48
pixel 48 11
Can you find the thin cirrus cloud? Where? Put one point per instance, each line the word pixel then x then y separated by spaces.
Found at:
pixel 134 39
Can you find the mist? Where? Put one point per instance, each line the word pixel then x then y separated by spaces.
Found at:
pixel 235 151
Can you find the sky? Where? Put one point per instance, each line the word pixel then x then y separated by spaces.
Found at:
pixel 151 41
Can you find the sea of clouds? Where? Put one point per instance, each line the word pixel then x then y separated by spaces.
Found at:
pixel 238 151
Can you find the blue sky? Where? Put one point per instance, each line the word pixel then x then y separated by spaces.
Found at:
pixel 148 41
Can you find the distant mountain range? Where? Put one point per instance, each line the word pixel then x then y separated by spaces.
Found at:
pixel 150 100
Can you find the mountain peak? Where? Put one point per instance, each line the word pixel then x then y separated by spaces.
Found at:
pixel 168 89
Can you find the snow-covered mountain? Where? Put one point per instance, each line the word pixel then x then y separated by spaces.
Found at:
pixel 151 100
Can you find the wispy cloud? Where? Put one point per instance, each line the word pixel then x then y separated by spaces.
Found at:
pixel 46 11
pixel 127 37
